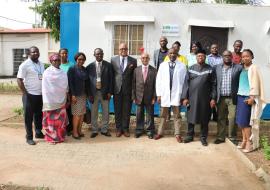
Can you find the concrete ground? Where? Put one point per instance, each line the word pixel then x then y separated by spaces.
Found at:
pixel 8 102
pixel 121 163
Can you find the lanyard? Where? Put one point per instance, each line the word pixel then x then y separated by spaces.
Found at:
pixel 36 68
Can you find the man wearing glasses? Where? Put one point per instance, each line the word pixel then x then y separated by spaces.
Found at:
pixel 123 68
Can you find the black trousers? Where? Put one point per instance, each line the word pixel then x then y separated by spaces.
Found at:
pixel 204 130
pixel 122 108
pixel 140 119
pixel 32 105
pixel 70 126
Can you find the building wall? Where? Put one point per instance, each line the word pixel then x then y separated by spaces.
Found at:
pixel 19 41
pixel 250 24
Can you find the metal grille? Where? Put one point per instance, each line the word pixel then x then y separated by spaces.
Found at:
pixel 129 34
pixel 19 55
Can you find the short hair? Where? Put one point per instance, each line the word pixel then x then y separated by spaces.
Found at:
pixel 78 55
pixel 98 49
pixel 198 44
pixel 34 47
pixel 63 49
pixel 249 51
pixel 177 43
pixel 226 50
pixel 201 51
pixel 239 41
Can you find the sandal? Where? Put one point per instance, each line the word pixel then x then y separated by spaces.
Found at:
pixel 249 148
pixel 242 145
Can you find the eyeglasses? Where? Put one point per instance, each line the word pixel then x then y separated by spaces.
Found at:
pixel 123 49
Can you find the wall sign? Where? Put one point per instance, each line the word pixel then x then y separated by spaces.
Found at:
pixel 170 30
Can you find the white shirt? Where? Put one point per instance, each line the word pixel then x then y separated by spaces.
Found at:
pixel 125 61
pixel 29 72
pixel 98 76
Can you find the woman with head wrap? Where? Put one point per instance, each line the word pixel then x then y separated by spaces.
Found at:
pixel 54 95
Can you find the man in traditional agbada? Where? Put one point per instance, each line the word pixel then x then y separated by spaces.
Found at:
pixel 199 94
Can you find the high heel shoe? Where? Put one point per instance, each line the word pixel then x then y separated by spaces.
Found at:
pixel 249 148
pixel 77 138
pixel 242 145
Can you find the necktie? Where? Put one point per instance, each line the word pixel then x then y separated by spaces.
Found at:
pixel 122 65
pixel 172 65
pixel 98 70
pixel 145 73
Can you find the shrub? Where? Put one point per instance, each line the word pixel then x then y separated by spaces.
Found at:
pixel 265 147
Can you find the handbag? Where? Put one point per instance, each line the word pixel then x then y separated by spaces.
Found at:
pixel 87 115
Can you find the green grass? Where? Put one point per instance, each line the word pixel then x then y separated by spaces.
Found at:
pixel 9 87
pixel 18 111
pixel 265 147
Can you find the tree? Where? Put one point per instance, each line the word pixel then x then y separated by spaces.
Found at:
pixel 50 14
pixel 250 2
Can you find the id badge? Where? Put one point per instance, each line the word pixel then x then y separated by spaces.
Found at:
pixel 40 76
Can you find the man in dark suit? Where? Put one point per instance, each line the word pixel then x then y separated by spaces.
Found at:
pixel 123 68
pixel 161 53
pixel 144 95
pixel 101 88
pixel 227 76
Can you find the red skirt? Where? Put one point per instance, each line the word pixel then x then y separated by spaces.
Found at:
pixel 54 123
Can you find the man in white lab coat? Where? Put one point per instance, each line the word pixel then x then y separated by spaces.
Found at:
pixel 169 83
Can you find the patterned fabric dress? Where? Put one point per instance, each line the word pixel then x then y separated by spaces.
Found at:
pixel 54 123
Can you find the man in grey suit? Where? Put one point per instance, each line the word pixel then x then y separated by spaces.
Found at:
pixel 144 96
pixel 123 68
pixel 161 53
pixel 101 89
pixel 227 76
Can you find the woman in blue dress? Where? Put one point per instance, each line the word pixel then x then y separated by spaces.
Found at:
pixel 244 103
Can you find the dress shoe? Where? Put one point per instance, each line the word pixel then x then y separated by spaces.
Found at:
pixel 150 136
pixel 39 136
pixel 77 138
pixel 178 138
pixel 137 135
pixel 30 142
pixel 118 133
pixel 158 137
pixel 107 134
pixel 93 135
pixel 81 135
pixel 218 141
pixel 188 139
pixel 204 142
pixel 126 134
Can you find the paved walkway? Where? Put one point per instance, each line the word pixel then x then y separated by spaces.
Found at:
pixel 121 163
pixel 117 163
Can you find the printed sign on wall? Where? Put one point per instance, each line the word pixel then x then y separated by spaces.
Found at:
pixel 170 30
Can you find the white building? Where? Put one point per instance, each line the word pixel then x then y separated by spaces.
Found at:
pixel 86 26
pixel 14 45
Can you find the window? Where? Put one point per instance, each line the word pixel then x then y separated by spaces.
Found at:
pixel 130 34
pixel 19 55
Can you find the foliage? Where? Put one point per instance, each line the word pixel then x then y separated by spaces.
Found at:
pixel 46 65
pixel 250 2
pixel 50 14
pixel 18 111
pixel 266 147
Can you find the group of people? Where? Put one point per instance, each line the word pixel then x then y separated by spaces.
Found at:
pixel 198 82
